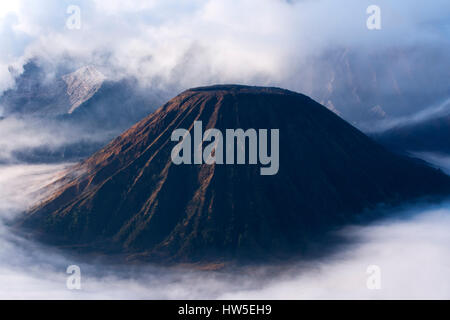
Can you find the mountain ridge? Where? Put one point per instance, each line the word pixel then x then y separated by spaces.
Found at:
pixel 82 84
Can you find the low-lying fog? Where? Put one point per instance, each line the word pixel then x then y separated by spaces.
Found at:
pixel 411 250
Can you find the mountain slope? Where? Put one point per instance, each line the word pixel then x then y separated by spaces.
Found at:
pixel 431 135
pixel 39 92
pixel 82 84
pixel 129 197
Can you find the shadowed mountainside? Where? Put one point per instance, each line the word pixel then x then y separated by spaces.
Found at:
pixel 431 135
pixel 129 197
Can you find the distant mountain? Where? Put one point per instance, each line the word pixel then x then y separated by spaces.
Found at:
pixel 38 93
pixel 83 97
pixel 116 105
pixel 431 135
pixel 130 197
pixel 83 100
pixel 82 85
pixel 35 93
pixel 365 88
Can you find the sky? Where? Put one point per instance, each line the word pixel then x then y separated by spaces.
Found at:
pixel 291 44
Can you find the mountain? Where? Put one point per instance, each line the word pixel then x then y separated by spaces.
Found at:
pixel 39 92
pixel 36 93
pixel 430 135
pixel 131 198
pixel 82 84
pixel 67 102
pixel 116 105
pixel 82 97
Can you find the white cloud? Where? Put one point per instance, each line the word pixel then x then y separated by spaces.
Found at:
pixel 200 42
pixel 9 7
pixel 22 134
pixel 427 113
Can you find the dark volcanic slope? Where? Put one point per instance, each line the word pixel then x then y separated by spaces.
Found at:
pixel 129 196
pixel 431 135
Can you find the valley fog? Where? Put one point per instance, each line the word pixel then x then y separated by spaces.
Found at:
pixel 410 249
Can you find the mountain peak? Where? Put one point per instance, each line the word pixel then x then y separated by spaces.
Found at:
pixel 82 84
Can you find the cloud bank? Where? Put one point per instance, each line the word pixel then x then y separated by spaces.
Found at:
pixel 299 45
pixel 22 138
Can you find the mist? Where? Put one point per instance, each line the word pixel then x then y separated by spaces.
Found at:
pixel 431 112
pixel 32 139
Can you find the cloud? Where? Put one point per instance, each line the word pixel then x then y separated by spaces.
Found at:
pixel 20 185
pixel 22 135
pixel 427 113
pixel 410 250
pixel 181 44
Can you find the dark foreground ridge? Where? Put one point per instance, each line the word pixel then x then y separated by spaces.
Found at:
pixel 130 198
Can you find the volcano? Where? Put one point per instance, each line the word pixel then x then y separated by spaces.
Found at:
pixel 131 198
